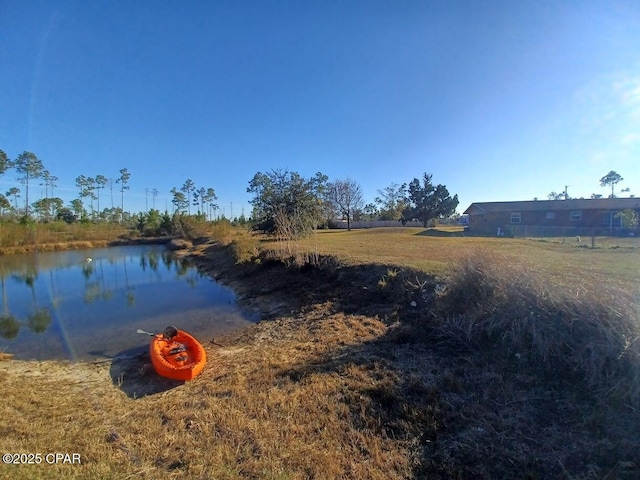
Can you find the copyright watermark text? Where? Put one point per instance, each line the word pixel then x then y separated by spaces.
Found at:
pixel 41 458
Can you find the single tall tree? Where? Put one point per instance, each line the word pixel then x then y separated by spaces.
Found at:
pixel 91 187
pixel 124 185
pixel 188 188
pixel 426 201
pixel 101 182
pixel 392 201
pixel 85 189
pixel 211 198
pixel 5 163
pixel 30 167
pixel 111 182
pixel 346 196
pixel 612 178
pixel 154 195
pixel 179 200
pixel 15 193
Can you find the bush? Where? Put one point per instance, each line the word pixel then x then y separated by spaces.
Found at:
pixel 245 248
pixel 188 227
pixel 222 231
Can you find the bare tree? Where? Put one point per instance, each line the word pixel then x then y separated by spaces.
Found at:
pixel 346 196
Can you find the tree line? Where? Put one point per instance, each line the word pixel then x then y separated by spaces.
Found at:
pixel 283 202
pixel 611 179
pixel 289 205
pixel 31 169
pixel 86 207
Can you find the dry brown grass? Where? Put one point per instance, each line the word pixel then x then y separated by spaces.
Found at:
pixel 587 330
pixel 18 238
pixel 252 414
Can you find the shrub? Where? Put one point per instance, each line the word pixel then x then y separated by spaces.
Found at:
pixel 192 227
pixel 222 231
pixel 245 248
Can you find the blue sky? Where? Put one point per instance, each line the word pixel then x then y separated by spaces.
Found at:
pixel 499 100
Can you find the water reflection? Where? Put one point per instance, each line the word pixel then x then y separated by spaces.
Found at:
pixel 9 326
pixel 56 304
pixel 37 320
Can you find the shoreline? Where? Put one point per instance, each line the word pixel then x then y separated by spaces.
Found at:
pixel 82 244
pixel 337 363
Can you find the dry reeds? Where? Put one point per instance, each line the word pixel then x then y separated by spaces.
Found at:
pixel 584 329
pixel 20 238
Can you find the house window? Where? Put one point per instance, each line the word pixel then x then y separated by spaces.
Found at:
pixel 611 220
pixel 575 215
pixel 515 217
pixel 551 215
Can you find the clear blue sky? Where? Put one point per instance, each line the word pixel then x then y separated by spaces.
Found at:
pixel 499 100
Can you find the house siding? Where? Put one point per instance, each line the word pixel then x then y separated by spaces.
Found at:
pixel 484 221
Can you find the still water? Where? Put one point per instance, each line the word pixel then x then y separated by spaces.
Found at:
pixel 88 304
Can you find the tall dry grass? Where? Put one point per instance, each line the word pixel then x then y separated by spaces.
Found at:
pixel 564 312
pixel 15 237
pixel 584 330
pixel 245 245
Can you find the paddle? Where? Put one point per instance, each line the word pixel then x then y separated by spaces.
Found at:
pixel 153 335
pixel 146 333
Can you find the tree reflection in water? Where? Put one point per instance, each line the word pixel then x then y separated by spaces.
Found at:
pixel 59 307
pixel 9 326
pixel 38 321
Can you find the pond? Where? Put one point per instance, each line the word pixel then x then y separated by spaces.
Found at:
pixel 88 304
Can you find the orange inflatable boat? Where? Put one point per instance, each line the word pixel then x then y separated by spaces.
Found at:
pixel 176 354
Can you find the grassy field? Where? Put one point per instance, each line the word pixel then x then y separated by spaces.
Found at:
pixel 436 251
pixel 407 354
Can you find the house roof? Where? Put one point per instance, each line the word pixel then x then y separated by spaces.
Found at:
pixel 480 208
